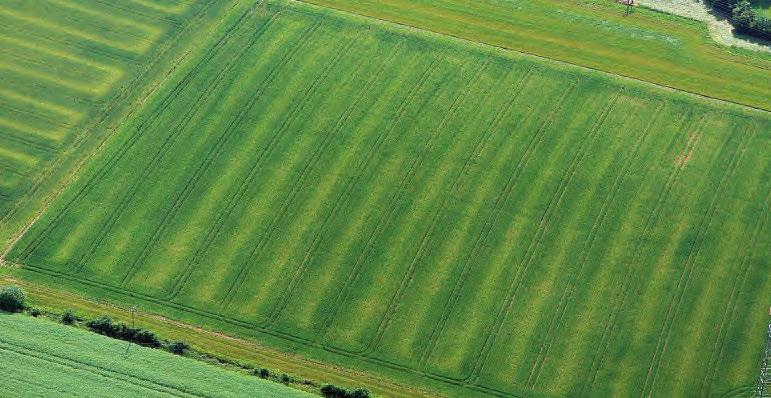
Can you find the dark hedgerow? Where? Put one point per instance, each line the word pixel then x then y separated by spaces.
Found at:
pixel 105 326
pixel 333 391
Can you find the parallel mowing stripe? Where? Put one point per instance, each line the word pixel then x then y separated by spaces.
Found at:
pixel 501 198
pixel 72 85
pixel 339 203
pixel 71 114
pixel 150 31
pixel 628 277
pixel 395 300
pixel 553 206
pixel 288 291
pixel 729 313
pixel 200 170
pixel 138 132
pixel 52 135
pixel 68 29
pixel 31 115
pixel 222 216
pixel 567 295
pixel 135 11
pixel 693 253
pixel 394 121
pixel 48 50
pixel 177 9
pixel 296 111
pixel 298 184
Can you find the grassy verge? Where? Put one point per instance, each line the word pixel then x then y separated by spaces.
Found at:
pixel 647 45
pixel 216 347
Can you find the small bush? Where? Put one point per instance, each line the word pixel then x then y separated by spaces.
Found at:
pixel 68 317
pixel 264 373
pixel 360 393
pixel 286 379
pixel 103 326
pixel 143 337
pixel 12 298
pixel 35 312
pixel 179 347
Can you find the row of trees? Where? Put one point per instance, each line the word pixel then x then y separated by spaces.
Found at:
pixel 744 18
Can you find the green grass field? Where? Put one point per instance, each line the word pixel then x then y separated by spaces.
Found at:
pixel 70 72
pixel 647 45
pixel 40 358
pixel 450 215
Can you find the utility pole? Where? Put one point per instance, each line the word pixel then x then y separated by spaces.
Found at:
pixel 133 310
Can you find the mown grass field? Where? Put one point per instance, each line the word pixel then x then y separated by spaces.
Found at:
pixel 647 45
pixel 450 215
pixel 70 71
pixel 40 358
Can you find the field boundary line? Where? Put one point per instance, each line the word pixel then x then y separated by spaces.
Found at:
pixel 114 102
pixel 250 327
pixel 310 252
pixel 636 259
pixel 214 231
pixel 180 199
pixel 393 304
pixel 729 313
pixel 131 140
pixel 409 27
pixel 690 263
pixel 233 339
pixel 491 334
pixel 201 102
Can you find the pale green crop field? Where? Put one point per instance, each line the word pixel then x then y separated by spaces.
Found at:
pixel 40 358
pixel 465 219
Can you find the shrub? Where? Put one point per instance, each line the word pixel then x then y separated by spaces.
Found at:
pixel 264 373
pixel 35 312
pixel 286 379
pixel 103 326
pixel 12 298
pixel 360 393
pixel 179 347
pixel 68 317
pixel 333 391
